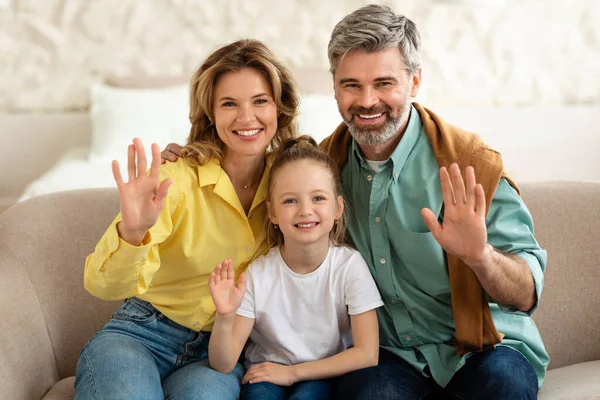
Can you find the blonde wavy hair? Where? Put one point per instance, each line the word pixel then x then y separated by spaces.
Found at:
pixel 298 149
pixel 203 142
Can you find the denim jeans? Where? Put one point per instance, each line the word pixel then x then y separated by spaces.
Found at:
pixel 142 354
pixel 501 373
pixel 308 390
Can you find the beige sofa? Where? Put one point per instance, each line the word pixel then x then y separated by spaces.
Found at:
pixel 46 315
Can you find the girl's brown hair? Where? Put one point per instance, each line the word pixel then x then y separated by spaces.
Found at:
pixel 203 142
pixel 298 149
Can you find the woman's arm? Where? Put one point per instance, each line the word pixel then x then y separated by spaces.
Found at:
pixel 365 353
pixel 126 257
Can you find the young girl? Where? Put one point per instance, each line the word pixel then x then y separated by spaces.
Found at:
pixel 308 306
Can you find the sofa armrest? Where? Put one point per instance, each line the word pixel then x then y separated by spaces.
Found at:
pixel 27 362
pixel 47 316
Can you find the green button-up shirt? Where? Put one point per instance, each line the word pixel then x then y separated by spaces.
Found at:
pixel 385 224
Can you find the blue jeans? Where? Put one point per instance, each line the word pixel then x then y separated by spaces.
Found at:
pixel 141 354
pixel 501 373
pixel 308 390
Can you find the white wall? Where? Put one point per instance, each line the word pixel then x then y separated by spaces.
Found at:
pixel 524 74
pixel 513 52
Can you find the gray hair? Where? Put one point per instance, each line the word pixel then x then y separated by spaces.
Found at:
pixel 375 28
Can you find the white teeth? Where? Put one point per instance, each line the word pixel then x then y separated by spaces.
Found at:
pixel 370 116
pixel 307 225
pixel 248 133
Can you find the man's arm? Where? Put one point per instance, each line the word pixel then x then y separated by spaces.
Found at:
pixel 510 233
pixel 507 279
pixel 171 153
pixel 501 250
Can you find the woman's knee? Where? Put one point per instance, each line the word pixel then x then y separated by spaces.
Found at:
pixel 110 361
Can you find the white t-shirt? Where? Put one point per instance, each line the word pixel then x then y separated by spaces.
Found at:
pixel 302 318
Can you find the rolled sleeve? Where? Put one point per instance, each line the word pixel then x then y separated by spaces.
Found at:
pixel 534 262
pixel 510 230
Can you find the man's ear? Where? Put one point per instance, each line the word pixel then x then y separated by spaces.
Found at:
pixel 271 213
pixel 416 83
pixel 340 201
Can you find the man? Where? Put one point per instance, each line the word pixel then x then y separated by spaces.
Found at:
pixel 430 246
pixel 456 262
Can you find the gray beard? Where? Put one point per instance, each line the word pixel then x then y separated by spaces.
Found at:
pixel 377 135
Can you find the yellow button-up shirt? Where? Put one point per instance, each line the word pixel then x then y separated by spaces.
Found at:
pixel 202 224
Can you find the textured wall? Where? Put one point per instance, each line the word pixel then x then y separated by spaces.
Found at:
pixel 515 52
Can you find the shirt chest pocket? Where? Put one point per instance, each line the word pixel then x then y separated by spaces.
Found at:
pixel 422 260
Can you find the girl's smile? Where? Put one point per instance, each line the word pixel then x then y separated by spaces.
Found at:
pixel 304 203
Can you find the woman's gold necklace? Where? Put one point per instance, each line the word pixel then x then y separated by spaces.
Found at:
pixel 249 185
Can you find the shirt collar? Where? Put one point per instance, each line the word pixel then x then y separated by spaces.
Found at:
pixel 404 148
pixel 208 174
pixel 407 143
pixel 211 173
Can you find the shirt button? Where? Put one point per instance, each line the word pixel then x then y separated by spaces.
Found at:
pixel 395 301
pixel 196 323
pixel 370 178
pixel 395 174
pixel 123 251
pixel 382 260
pixel 248 248
pixel 408 338
pixel 377 219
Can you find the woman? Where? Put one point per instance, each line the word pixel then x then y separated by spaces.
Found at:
pixel 176 223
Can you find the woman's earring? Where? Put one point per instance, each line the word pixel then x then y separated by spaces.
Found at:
pixel 276 226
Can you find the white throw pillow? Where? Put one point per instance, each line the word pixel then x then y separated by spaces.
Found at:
pixel 318 116
pixel 158 115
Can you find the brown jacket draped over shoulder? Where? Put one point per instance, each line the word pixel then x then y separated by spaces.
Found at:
pixel 475 329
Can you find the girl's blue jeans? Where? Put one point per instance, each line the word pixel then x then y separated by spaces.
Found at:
pixel 308 390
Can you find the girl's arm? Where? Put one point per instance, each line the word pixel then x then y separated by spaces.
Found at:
pixel 229 335
pixel 230 331
pixel 365 353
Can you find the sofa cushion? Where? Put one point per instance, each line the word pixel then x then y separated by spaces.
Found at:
pixel 62 390
pixel 579 381
pixel 565 216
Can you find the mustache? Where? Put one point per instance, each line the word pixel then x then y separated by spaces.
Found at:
pixel 376 109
